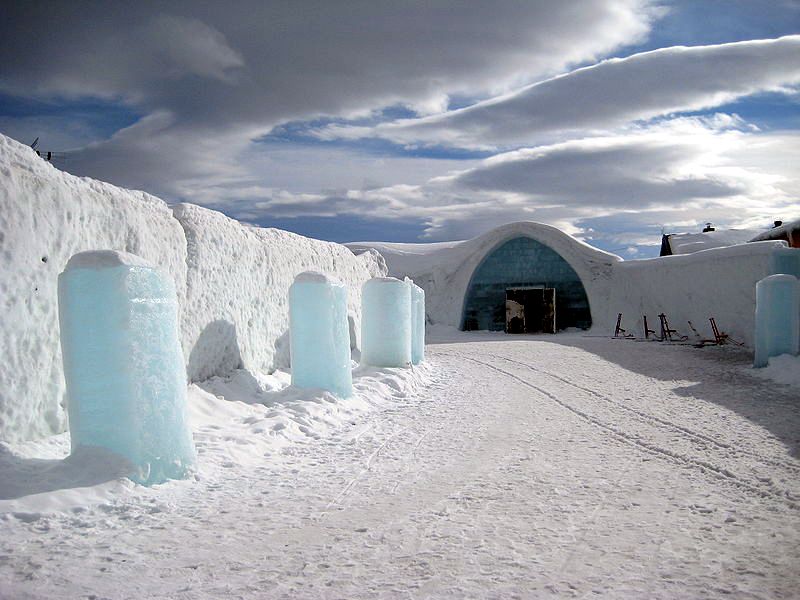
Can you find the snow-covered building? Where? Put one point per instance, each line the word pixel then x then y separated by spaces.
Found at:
pixel 710 237
pixel 529 277
pixel 557 280
pixel 687 243
pixel 788 232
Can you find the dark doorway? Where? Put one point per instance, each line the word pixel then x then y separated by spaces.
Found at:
pixel 531 310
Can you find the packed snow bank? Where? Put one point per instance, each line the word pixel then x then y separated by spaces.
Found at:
pixel 240 423
pixel 784 369
pixel 237 300
pixel 719 283
pixel 46 216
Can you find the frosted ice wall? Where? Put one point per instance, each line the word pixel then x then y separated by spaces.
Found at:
pixel 123 364
pixel 386 322
pixel 777 328
pixel 417 323
pixel 320 334
pixel 46 216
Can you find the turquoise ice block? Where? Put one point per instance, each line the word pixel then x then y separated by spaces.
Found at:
pixel 386 322
pixel 786 261
pixel 123 364
pixel 777 318
pixel 320 334
pixel 417 323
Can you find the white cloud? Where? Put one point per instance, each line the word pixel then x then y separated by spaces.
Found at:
pixel 230 72
pixel 606 95
pixel 681 172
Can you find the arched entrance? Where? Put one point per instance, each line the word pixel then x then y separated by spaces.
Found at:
pixel 513 268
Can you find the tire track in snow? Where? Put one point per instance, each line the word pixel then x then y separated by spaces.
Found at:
pixel 641 415
pixel 654 449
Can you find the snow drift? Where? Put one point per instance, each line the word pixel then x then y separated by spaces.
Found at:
pixel 238 277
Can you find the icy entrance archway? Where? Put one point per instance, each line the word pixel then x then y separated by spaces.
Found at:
pixel 518 263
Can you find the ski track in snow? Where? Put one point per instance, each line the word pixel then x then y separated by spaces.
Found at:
pixel 528 468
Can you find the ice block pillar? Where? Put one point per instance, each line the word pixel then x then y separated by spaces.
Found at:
pixel 786 261
pixel 320 334
pixel 777 318
pixel 123 363
pixel 417 323
pixel 386 322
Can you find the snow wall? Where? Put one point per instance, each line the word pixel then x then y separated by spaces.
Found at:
pixel 237 292
pixel 239 276
pixel 719 282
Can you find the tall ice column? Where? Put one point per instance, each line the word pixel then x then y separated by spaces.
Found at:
pixel 320 334
pixel 386 322
pixel 777 318
pixel 123 363
pixel 417 323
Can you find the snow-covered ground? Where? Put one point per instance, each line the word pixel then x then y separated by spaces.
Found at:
pixel 548 466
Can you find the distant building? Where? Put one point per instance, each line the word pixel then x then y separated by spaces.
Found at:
pixel 688 243
pixel 788 232
pixel 529 277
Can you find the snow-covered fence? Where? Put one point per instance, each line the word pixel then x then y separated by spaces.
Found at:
pixel 235 312
pixel 123 365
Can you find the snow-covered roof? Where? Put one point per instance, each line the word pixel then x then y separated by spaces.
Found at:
pixel 687 243
pixel 412 258
pixel 778 233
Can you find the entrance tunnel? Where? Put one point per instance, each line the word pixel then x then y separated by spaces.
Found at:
pixel 519 263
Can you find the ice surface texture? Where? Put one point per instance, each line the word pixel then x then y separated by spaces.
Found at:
pixel 417 323
pixel 777 318
pixel 320 334
pixel 787 261
pixel 123 364
pixel 386 322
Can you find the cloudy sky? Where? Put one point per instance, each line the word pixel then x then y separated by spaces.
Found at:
pixel 423 121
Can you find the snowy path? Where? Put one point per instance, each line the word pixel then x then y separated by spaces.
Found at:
pixel 527 469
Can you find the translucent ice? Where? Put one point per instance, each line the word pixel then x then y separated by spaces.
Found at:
pixel 777 318
pixel 417 323
pixel 320 334
pixel 386 322
pixel 123 364
pixel 787 261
